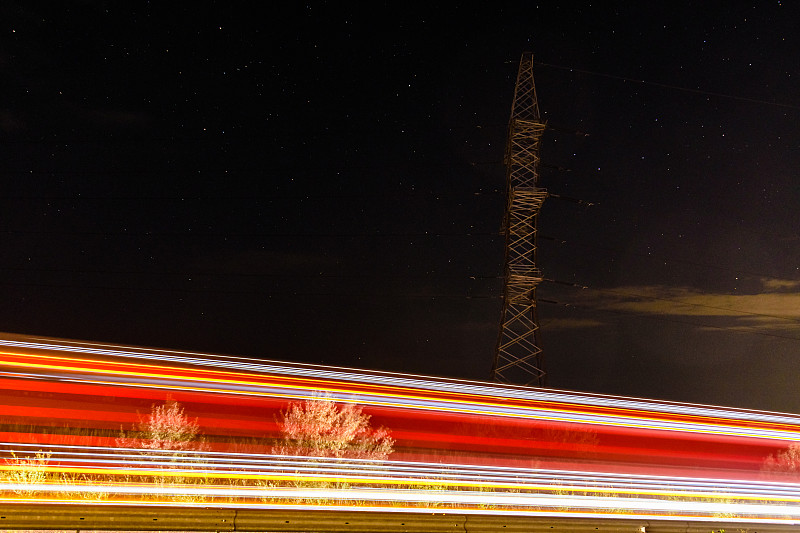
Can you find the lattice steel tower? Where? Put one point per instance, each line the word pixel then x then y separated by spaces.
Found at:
pixel 518 356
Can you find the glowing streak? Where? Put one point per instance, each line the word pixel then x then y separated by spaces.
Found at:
pixel 405 401
pixel 454 477
pixel 410 381
pixel 456 501
pixel 429 385
pixel 258 480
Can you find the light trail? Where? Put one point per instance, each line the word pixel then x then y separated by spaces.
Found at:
pixel 207 465
pixel 459 445
pixel 228 381
pixel 401 382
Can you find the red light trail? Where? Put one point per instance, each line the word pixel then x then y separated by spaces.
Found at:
pixel 458 445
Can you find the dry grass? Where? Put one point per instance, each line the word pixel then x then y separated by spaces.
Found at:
pixel 28 473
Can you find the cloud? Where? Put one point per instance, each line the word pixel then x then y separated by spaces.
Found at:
pixel 571 323
pixel 777 305
pixel 780 285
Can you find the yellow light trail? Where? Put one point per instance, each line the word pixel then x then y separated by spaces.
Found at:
pixel 537 470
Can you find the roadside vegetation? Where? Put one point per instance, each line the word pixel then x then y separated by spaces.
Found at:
pixel 325 454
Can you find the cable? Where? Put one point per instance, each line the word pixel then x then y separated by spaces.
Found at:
pixel 250 292
pixel 738 273
pixel 231 234
pixel 249 274
pixel 263 197
pixel 673 87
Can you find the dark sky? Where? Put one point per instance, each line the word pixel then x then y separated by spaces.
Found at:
pixel 323 183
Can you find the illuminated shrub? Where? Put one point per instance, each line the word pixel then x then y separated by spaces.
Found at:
pixel 322 428
pixel 786 461
pixel 166 428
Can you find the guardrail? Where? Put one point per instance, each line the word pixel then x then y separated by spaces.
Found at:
pixel 153 518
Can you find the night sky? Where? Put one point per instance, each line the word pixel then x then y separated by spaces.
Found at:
pixel 324 183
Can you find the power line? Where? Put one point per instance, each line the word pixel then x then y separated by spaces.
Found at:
pixel 250 292
pixel 393 195
pixel 199 274
pixel 673 87
pixel 663 259
pixel 190 233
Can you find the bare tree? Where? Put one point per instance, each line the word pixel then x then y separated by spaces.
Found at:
pixel 320 427
pixel 784 462
pixel 166 428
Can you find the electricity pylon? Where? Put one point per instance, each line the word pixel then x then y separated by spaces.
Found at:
pixel 518 356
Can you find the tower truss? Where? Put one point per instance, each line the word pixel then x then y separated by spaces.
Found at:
pixel 518 356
